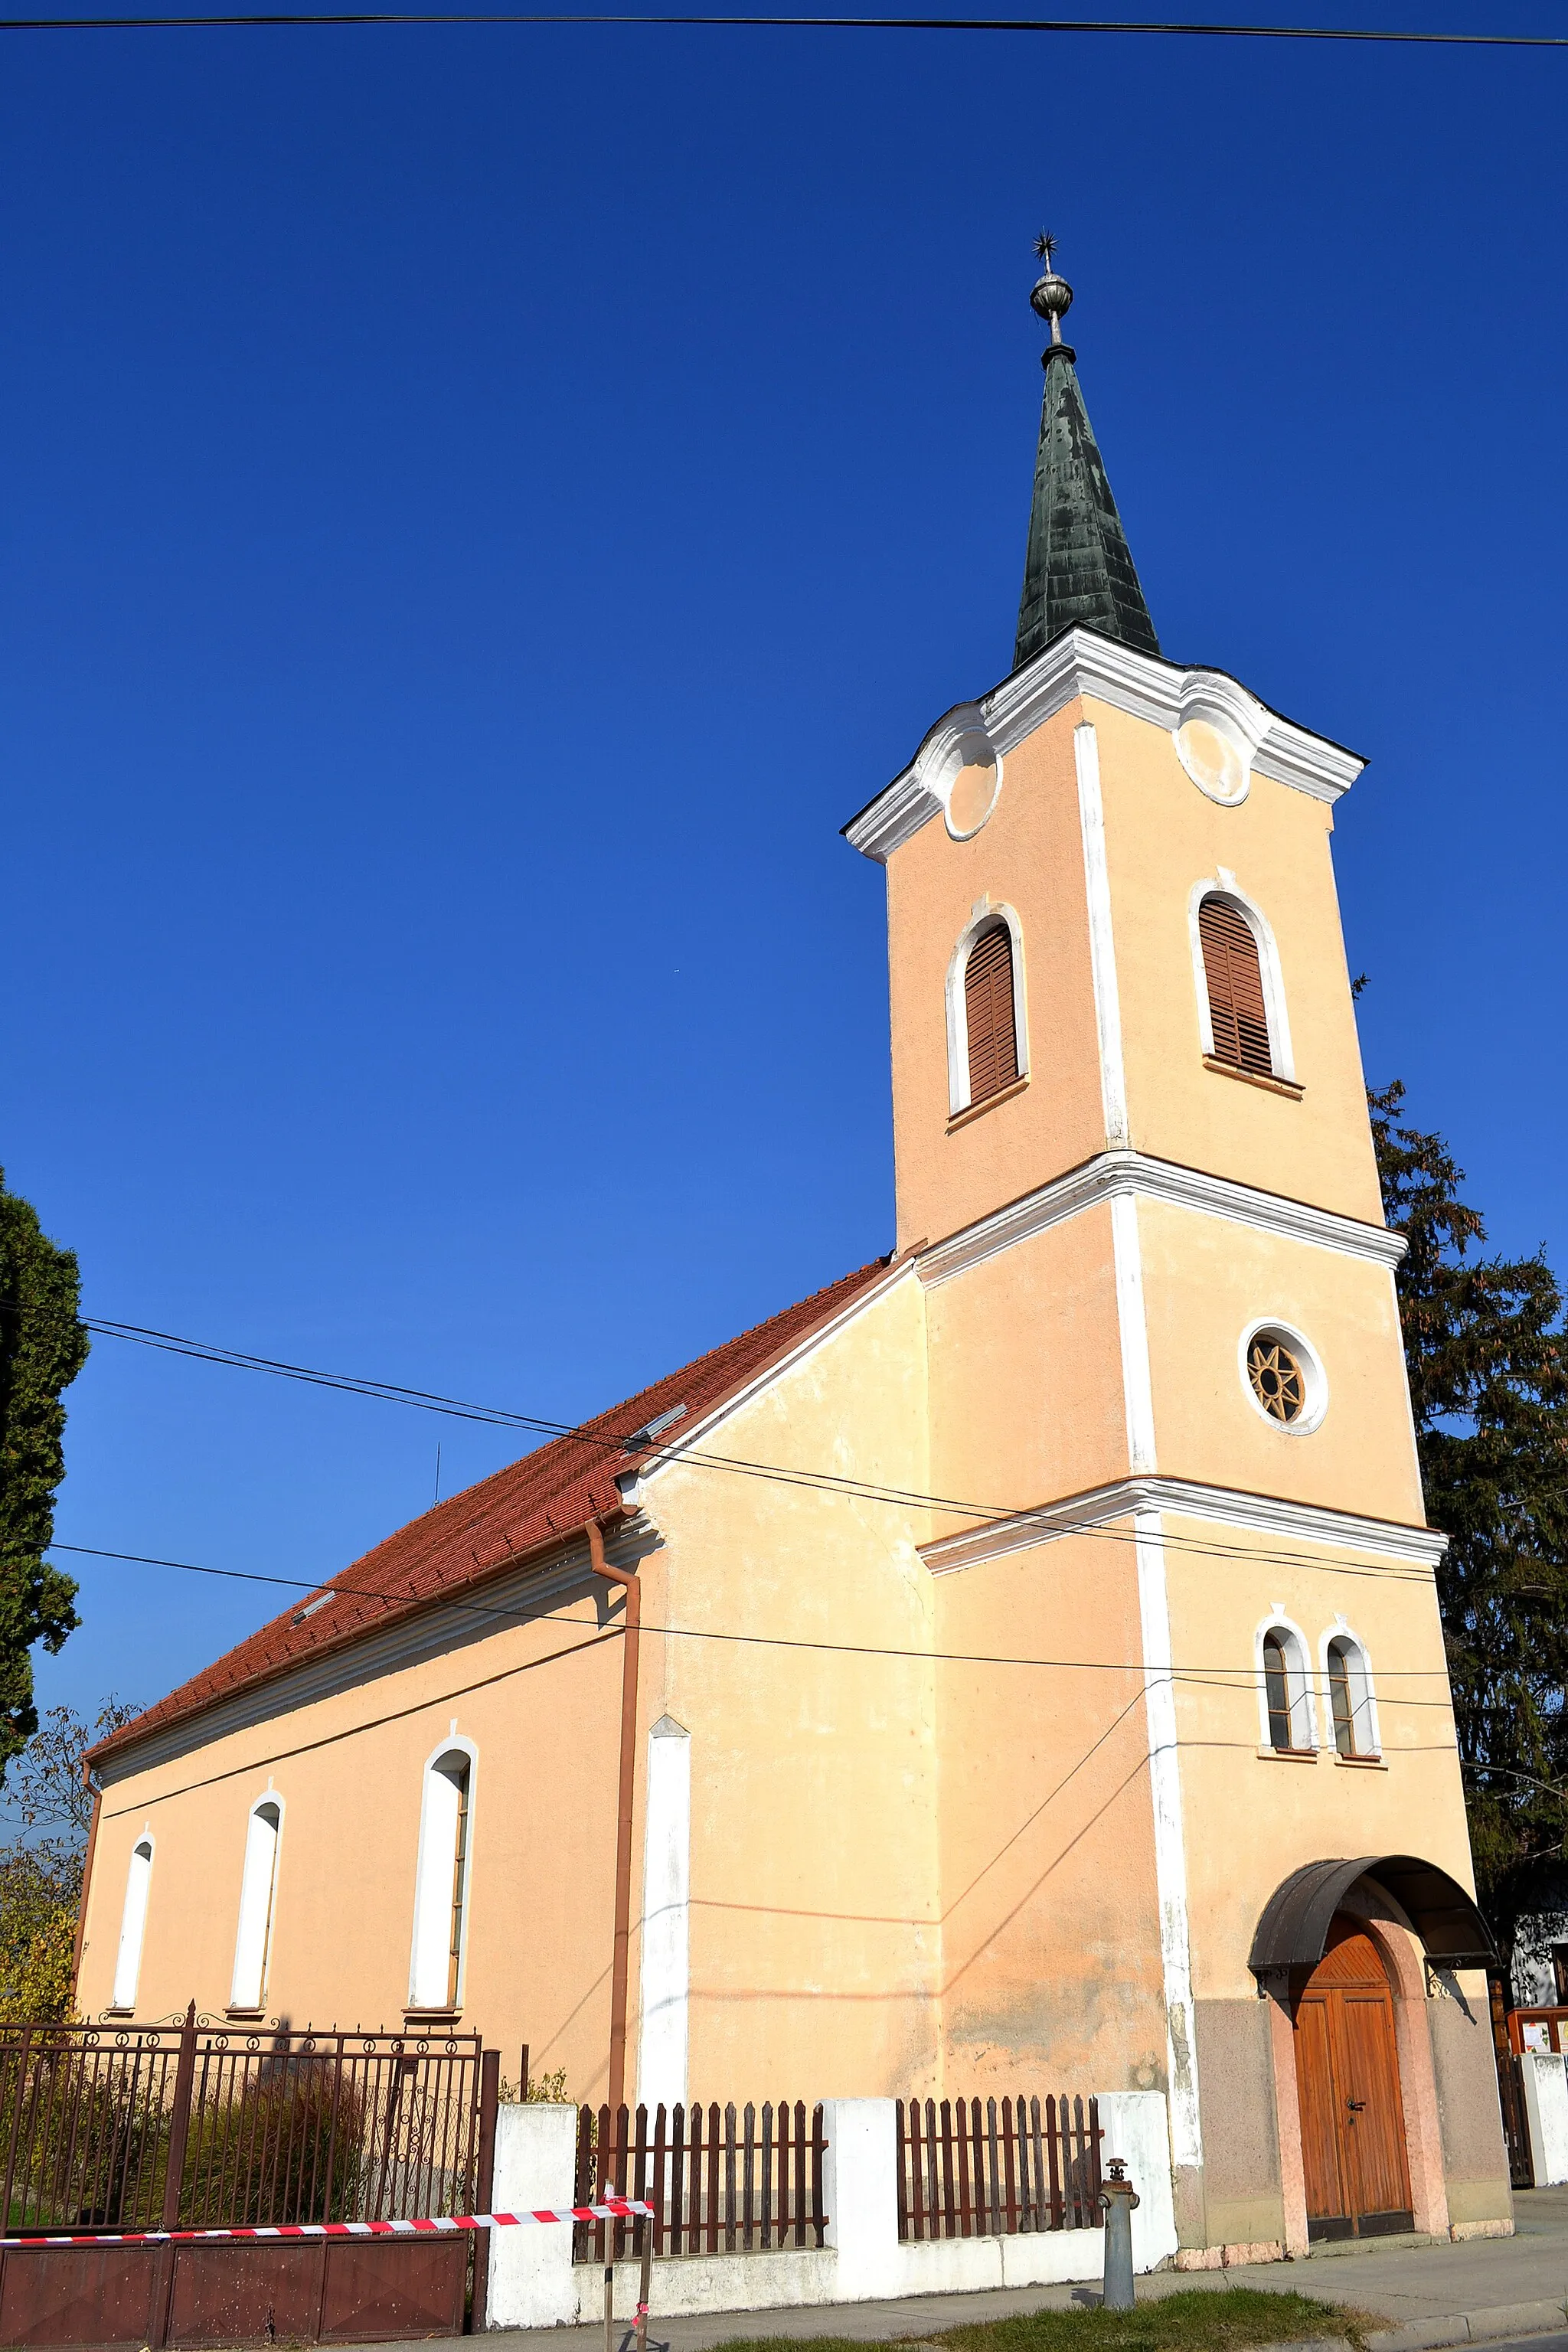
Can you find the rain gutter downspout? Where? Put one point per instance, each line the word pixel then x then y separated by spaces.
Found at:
pixel 620 1965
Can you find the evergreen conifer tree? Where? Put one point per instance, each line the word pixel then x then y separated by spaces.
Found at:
pixel 43 1346
pixel 1487 1358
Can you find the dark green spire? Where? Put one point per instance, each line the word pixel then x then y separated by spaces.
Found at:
pixel 1079 572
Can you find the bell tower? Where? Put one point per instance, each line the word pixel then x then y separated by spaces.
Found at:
pixel 1135 1172
pixel 1053 817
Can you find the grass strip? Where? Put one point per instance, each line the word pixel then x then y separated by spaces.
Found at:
pixel 1199 2319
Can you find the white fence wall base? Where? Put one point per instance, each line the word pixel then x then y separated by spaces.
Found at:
pixel 1544 2075
pixel 534 2282
pixel 1137 2128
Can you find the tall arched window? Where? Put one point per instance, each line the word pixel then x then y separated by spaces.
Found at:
pixel 1350 1698
pixel 132 1924
pixel 988 1007
pixel 1234 974
pixel 258 1895
pixel 441 1885
pixel 1287 1692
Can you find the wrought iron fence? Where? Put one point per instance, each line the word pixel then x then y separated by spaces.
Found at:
pixel 721 2180
pixel 1011 2166
pixel 190 2127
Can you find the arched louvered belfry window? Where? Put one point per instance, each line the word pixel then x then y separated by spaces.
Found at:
pixel 988 1014
pixel 1233 973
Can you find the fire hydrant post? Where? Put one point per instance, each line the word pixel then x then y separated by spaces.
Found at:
pixel 1117 2198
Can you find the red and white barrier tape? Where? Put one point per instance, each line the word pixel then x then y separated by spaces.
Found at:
pixel 614 2208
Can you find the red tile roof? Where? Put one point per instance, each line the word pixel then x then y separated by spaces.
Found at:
pixel 531 1507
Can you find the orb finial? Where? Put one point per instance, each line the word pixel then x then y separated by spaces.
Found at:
pixel 1052 296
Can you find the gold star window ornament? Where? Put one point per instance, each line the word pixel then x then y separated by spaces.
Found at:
pixel 1279 1381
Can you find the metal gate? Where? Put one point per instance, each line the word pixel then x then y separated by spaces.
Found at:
pixel 197 2127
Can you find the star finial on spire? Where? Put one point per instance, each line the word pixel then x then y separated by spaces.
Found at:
pixel 1052 296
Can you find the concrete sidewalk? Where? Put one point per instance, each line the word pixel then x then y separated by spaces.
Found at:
pixel 1431 2292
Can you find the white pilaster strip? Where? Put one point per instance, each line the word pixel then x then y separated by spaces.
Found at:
pixel 1102 943
pixel 1137 1388
pixel 666 1917
pixel 1169 1846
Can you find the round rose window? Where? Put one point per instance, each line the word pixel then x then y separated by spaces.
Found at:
pixel 1279 1382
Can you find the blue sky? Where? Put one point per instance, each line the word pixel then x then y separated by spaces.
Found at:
pixel 483 507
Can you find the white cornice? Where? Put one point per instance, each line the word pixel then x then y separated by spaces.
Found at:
pixel 1186 1498
pixel 1122 1174
pixel 1081 663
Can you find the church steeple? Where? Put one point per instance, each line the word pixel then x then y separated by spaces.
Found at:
pixel 1079 572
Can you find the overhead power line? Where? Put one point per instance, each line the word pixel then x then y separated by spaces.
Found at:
pixel 616 1444
pixel 1223 1677
pixel 799 24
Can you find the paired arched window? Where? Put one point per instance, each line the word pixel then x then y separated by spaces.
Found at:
pixel 1286 1697
pixel 258 1897
pixel 1349 1696
pixel 1233 977
pixel 1286 1691
pixel 441 1885
pixel 132 1924
pixel 990 1018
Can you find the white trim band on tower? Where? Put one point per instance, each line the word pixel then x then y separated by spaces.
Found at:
pixel 1268 1515
pixel 1170 1842
pixel 1082 663
pixel 1137 1381
pixel 1132 1174
pixel 1102 936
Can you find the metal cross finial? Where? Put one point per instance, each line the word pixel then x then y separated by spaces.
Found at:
pixel 1052 296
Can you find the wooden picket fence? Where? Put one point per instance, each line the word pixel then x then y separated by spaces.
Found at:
pixel 1014 2166
pixel 721 2180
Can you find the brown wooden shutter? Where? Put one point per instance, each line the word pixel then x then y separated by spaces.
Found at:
pixel 1236 989
pixel 988 1012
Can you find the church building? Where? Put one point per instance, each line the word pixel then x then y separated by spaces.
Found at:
pixel 1016 1667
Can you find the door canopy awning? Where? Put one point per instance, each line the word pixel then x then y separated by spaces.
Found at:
pixel 1294 1929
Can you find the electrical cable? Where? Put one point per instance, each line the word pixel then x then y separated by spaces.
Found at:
pixel 1034 25
pixel 1244 1676
pixel 615 1441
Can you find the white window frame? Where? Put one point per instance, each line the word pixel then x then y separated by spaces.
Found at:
pixel 132 1924
pixel 985 919
pixel 1363 1692
pixel 433 1883
pixel 1298 1681
pixel 257 1901
pixel 1222 885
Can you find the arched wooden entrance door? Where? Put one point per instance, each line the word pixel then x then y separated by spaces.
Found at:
pixel 1347 2080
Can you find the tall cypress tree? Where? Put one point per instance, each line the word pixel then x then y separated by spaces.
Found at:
pixel 42 1347
pixel 1487 1358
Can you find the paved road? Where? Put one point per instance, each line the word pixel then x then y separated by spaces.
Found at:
pixel 1506 2286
